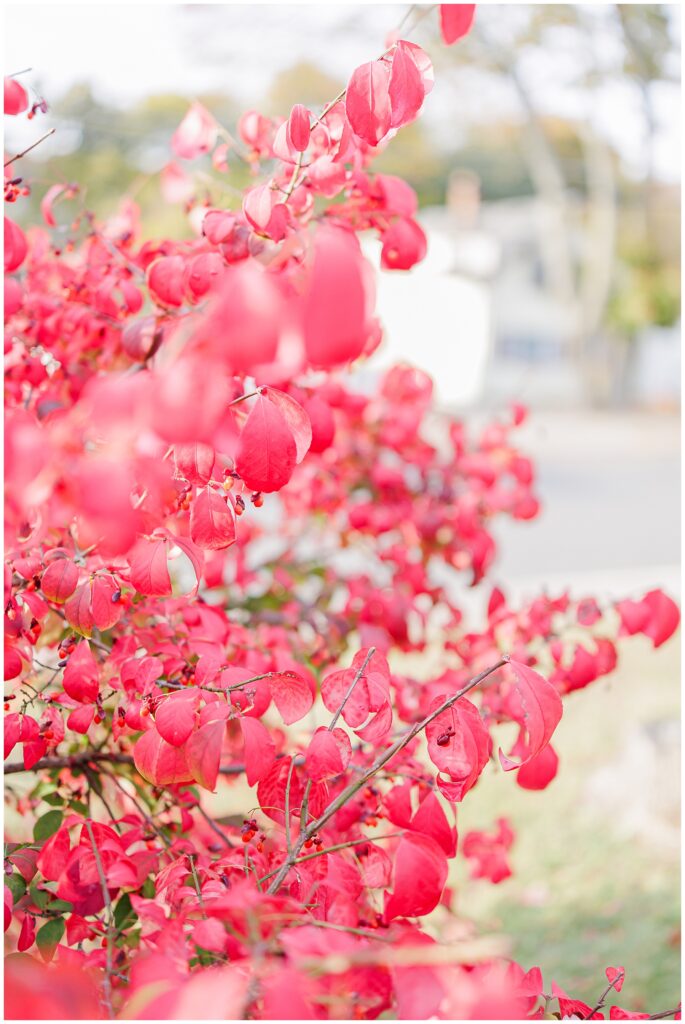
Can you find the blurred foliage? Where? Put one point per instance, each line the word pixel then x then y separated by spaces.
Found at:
pixel 112 151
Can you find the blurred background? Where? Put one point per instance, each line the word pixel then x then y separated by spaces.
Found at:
pixel 547 166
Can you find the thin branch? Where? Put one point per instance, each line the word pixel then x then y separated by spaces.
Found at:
pixel 360 673
pixel 196 883
pixel 111 930
pixel 213 825
pixel 78 760
pixel 379 763
pixel 18 156
pixel 602 999
pixel 335 848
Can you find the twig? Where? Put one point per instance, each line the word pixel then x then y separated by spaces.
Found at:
pixel 18 156
pixel 196 883
pixel 358 784
pixel 111 930
pixel 77 760
pixel 602 999
pixel 213 825
pixel 335 848
pixel 360 673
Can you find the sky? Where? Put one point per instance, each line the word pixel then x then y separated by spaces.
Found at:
pixel 130 51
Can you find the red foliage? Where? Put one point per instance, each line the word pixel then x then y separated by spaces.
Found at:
pixel 169 629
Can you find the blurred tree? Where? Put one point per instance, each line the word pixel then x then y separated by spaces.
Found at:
pixel 303 83
pixel 629 44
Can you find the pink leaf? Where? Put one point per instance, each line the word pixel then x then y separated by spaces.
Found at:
pixel 298 127
pixel 617 976
pixel 419 877
pixel 260 749
pixel 455 21
pixel 664 617
pixel 291 695
pixel 149 570
pixel 538 772
pixel 459 745
pixel 204 753
pixel 267 451
pixel 81 719
pixel 295 416
pixel 212 524
pixel 338 300
pixel 59 580
pixel 367 102
pixel 328 754
pixel 541 711
pixel 405 88
pixel 194 462
pixel 159 762
pixel 196 133
pixel 175 716
pixel 82 675
pixel 16 97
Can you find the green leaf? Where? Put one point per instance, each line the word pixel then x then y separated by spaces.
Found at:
pixel 43 788
pixel 47 825
pixel 124 914
pixel 79 807
pixel 148 889
pixel 48 936
pixel 17 886
pixel 54 799
pixel 39 897
pixel 60 907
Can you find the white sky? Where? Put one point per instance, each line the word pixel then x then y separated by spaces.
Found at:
pixel 129 51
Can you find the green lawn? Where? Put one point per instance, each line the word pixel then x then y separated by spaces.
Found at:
pixel 582 897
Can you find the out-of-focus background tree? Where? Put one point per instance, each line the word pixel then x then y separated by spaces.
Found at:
pixel 547 169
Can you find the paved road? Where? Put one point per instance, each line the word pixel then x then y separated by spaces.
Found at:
pixel 610 488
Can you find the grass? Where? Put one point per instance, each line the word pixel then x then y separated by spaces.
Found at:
pixel 583 895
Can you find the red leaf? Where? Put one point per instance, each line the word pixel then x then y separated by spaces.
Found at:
pixel 212 524
pixel 539 771
pixel 204 753
pixel 82 675
pixel 271 790
pixel 291 695
pixel 166 281
pixel 455 21
pixel 458 744
pixel 664 617
pixel 260 749
pixel 338 300
pixel 12 727
pixel 175 717
pixel 92 605
pixel 296 418
pixel 431 820
pixel 159 762
pixel 16 97
pixel 149 570
pixel 59 580
pixel 328 754
pixel 299 128
pixel 194 462
pixel 196 133
pixel 267 451
pixel 541 711
pixel 81 719
pixel 54 855
pixel 405 88
pixel 367 102
pixel 16 246
pixel 616 975
pixel 419 877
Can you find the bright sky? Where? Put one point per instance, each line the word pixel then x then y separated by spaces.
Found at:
pixel 129 51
